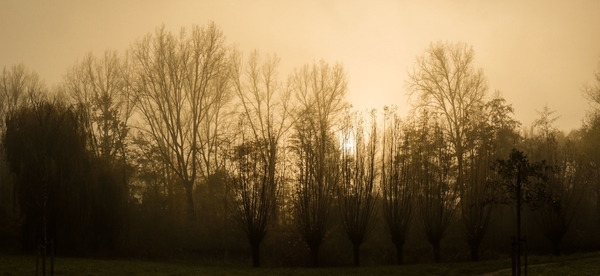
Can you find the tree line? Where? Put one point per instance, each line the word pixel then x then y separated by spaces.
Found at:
pixel 181 145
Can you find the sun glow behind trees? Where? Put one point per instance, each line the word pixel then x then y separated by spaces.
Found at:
pixel 348 143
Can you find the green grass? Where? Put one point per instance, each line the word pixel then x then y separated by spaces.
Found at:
pixel 578 264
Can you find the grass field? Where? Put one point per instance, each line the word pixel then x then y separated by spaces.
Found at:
pixel 577 264
pixel 580 264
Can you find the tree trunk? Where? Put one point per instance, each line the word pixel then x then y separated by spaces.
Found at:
pixel 474 246
pixel 556 247
pixel 189 187
pixel 255 254
pixel 314 254
pixel 436 251
pixel 399 253
pixel 356 250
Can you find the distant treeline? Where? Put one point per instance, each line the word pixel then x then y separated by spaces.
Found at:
pixel 182 147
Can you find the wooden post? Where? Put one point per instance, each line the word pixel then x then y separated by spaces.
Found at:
pixel 525 254
pixel 52 257
pixel 513 255
pixel 37 261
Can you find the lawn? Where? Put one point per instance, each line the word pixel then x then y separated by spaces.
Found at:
pixel 577 264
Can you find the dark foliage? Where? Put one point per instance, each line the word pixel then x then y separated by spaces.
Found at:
pixel 76 199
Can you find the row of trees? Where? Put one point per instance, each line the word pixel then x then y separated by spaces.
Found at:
pixel 182 121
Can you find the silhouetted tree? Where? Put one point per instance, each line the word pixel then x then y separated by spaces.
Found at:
pixel 18 86
pixel 590 135
pixel 436 185
pixel 356 190
pixel 181 83
pixel 563 195
pixel 447 84
pixel 519 181
pixel 397 180
pixel 320 92
pixel 65 194
pixel 256 170
pixel 101 88
pixel 254 195
pixel 490 134
pixel 563 191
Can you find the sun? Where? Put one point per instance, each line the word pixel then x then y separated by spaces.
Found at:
pixel 348 144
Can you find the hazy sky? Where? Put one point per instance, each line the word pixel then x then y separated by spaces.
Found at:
pixel 534 52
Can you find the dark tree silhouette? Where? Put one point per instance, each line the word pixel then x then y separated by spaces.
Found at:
pixel 397 180
pixel 447 84
pixel 320 92
pixel 436 187
pixel 101 88
pixel 255 193
pixel 356 191
pixel 562 196
pixel 590 135
pixel 490 135
pixel 256 175
pixel 181 84
pixel 69 200
pixel 563 191
pixel 475 203
pixel 519 182
pixel 18 86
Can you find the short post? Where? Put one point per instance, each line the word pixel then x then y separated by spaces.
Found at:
pixel 37 262
pixel 525 254
pixel 43 248
pixel 52 258
pixel 513 255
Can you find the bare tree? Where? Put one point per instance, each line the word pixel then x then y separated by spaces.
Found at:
pixel 180 83
pixel 563 190
pixel 356 191
pixel 254 196
pixel 437 192
pixel 491 134
pixel 18 86
pixel 397 180
pixel 448 85
pixel 320 92
pixel 100 87
pixel 592 91
pixel 256 181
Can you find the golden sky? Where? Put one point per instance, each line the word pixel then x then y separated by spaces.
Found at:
pixel 535 52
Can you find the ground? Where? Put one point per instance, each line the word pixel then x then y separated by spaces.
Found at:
pixel 576 264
